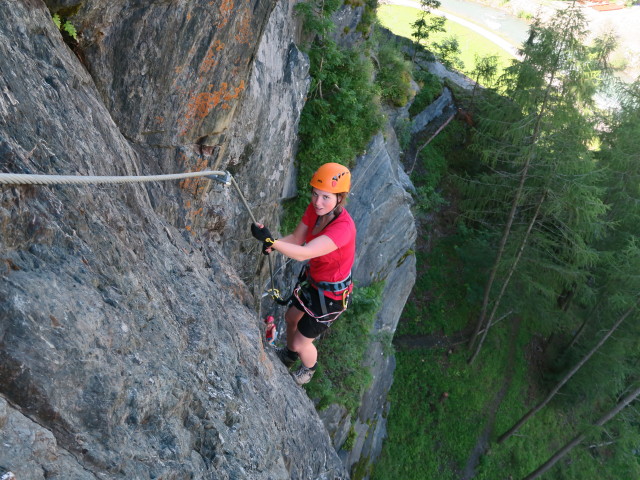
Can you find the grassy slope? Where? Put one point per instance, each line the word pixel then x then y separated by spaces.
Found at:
pixel 398 19
pixel 431 436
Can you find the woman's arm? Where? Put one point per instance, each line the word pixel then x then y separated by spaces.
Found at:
pixel 292 245
pixel 315 248
pixel 298 236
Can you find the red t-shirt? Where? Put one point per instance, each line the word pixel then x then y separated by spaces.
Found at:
pixel 334 266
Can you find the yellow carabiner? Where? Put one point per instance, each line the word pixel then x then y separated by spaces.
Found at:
pixel 345 298
pixel 275 293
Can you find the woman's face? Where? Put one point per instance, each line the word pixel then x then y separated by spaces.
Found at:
pixel 322 201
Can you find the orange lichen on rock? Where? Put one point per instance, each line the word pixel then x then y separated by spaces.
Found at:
pixel 244 28
pixel 202 103
pixel 226 7
pixel 210 59
pixel 194 185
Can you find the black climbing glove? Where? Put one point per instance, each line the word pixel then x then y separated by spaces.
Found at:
pixel 262 233
pixel 265 246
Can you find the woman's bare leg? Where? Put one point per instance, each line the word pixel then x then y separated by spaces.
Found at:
pixel 306 349
pixel 292 317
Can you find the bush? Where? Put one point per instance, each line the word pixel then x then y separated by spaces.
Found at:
pixel 431 89
pixel 394 77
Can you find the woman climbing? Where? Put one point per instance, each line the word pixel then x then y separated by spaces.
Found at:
pixel 326 237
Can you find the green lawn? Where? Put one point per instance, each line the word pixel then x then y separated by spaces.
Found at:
pixel 398 19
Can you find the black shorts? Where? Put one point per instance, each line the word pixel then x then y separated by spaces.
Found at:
pixel 308 326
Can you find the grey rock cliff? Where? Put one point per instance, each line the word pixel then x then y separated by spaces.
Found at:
pixel 130 335
pixel 128 345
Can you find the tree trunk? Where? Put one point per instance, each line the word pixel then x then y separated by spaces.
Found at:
pixel 523 177
pixel 428 142
pixel 566 378
pixel 501 247
pixel 496 304
pixel 579 438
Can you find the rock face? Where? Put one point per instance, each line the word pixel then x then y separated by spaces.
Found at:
pixel 444 103
pixel 130 345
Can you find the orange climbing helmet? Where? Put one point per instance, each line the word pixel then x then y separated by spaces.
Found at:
pixel 332 178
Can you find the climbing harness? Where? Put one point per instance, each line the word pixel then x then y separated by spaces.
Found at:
pixel 342 286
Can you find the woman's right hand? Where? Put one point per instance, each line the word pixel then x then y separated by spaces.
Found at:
pixel 262 233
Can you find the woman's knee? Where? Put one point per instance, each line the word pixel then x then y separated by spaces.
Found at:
pixel 300 342
pixel 293 316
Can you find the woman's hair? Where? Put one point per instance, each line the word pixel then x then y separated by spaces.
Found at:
pixel 342 200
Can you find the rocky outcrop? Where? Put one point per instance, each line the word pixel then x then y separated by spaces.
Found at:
pixel 128 344
pixel 346 20
pixel 444 103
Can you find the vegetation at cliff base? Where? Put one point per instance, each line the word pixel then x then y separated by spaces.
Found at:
pixel 518 351
pixel 341 378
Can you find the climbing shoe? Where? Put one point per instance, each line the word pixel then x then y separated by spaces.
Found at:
pixel 303 375
pixel 286 356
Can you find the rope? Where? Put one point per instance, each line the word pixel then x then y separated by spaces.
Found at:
pixel 28 179
pixel 246 205
pixel 224 177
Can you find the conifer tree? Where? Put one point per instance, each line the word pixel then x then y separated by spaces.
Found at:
pixel 536 143
pixel 426 24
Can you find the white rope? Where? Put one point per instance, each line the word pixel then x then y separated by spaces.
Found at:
pixel 28 179
pixel 33 179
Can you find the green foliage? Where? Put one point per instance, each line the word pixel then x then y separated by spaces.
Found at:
pixel 424 438
pixel 394 75
pixel 426 24
pixel 431 88
pixel 350 442
pixel 311 21
pixel 486 67
pixel 341 377
pixel 64 25
pixel 434 166
pixel 448 52
pixel 362 469
pixel 368 18
pixel 338 120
